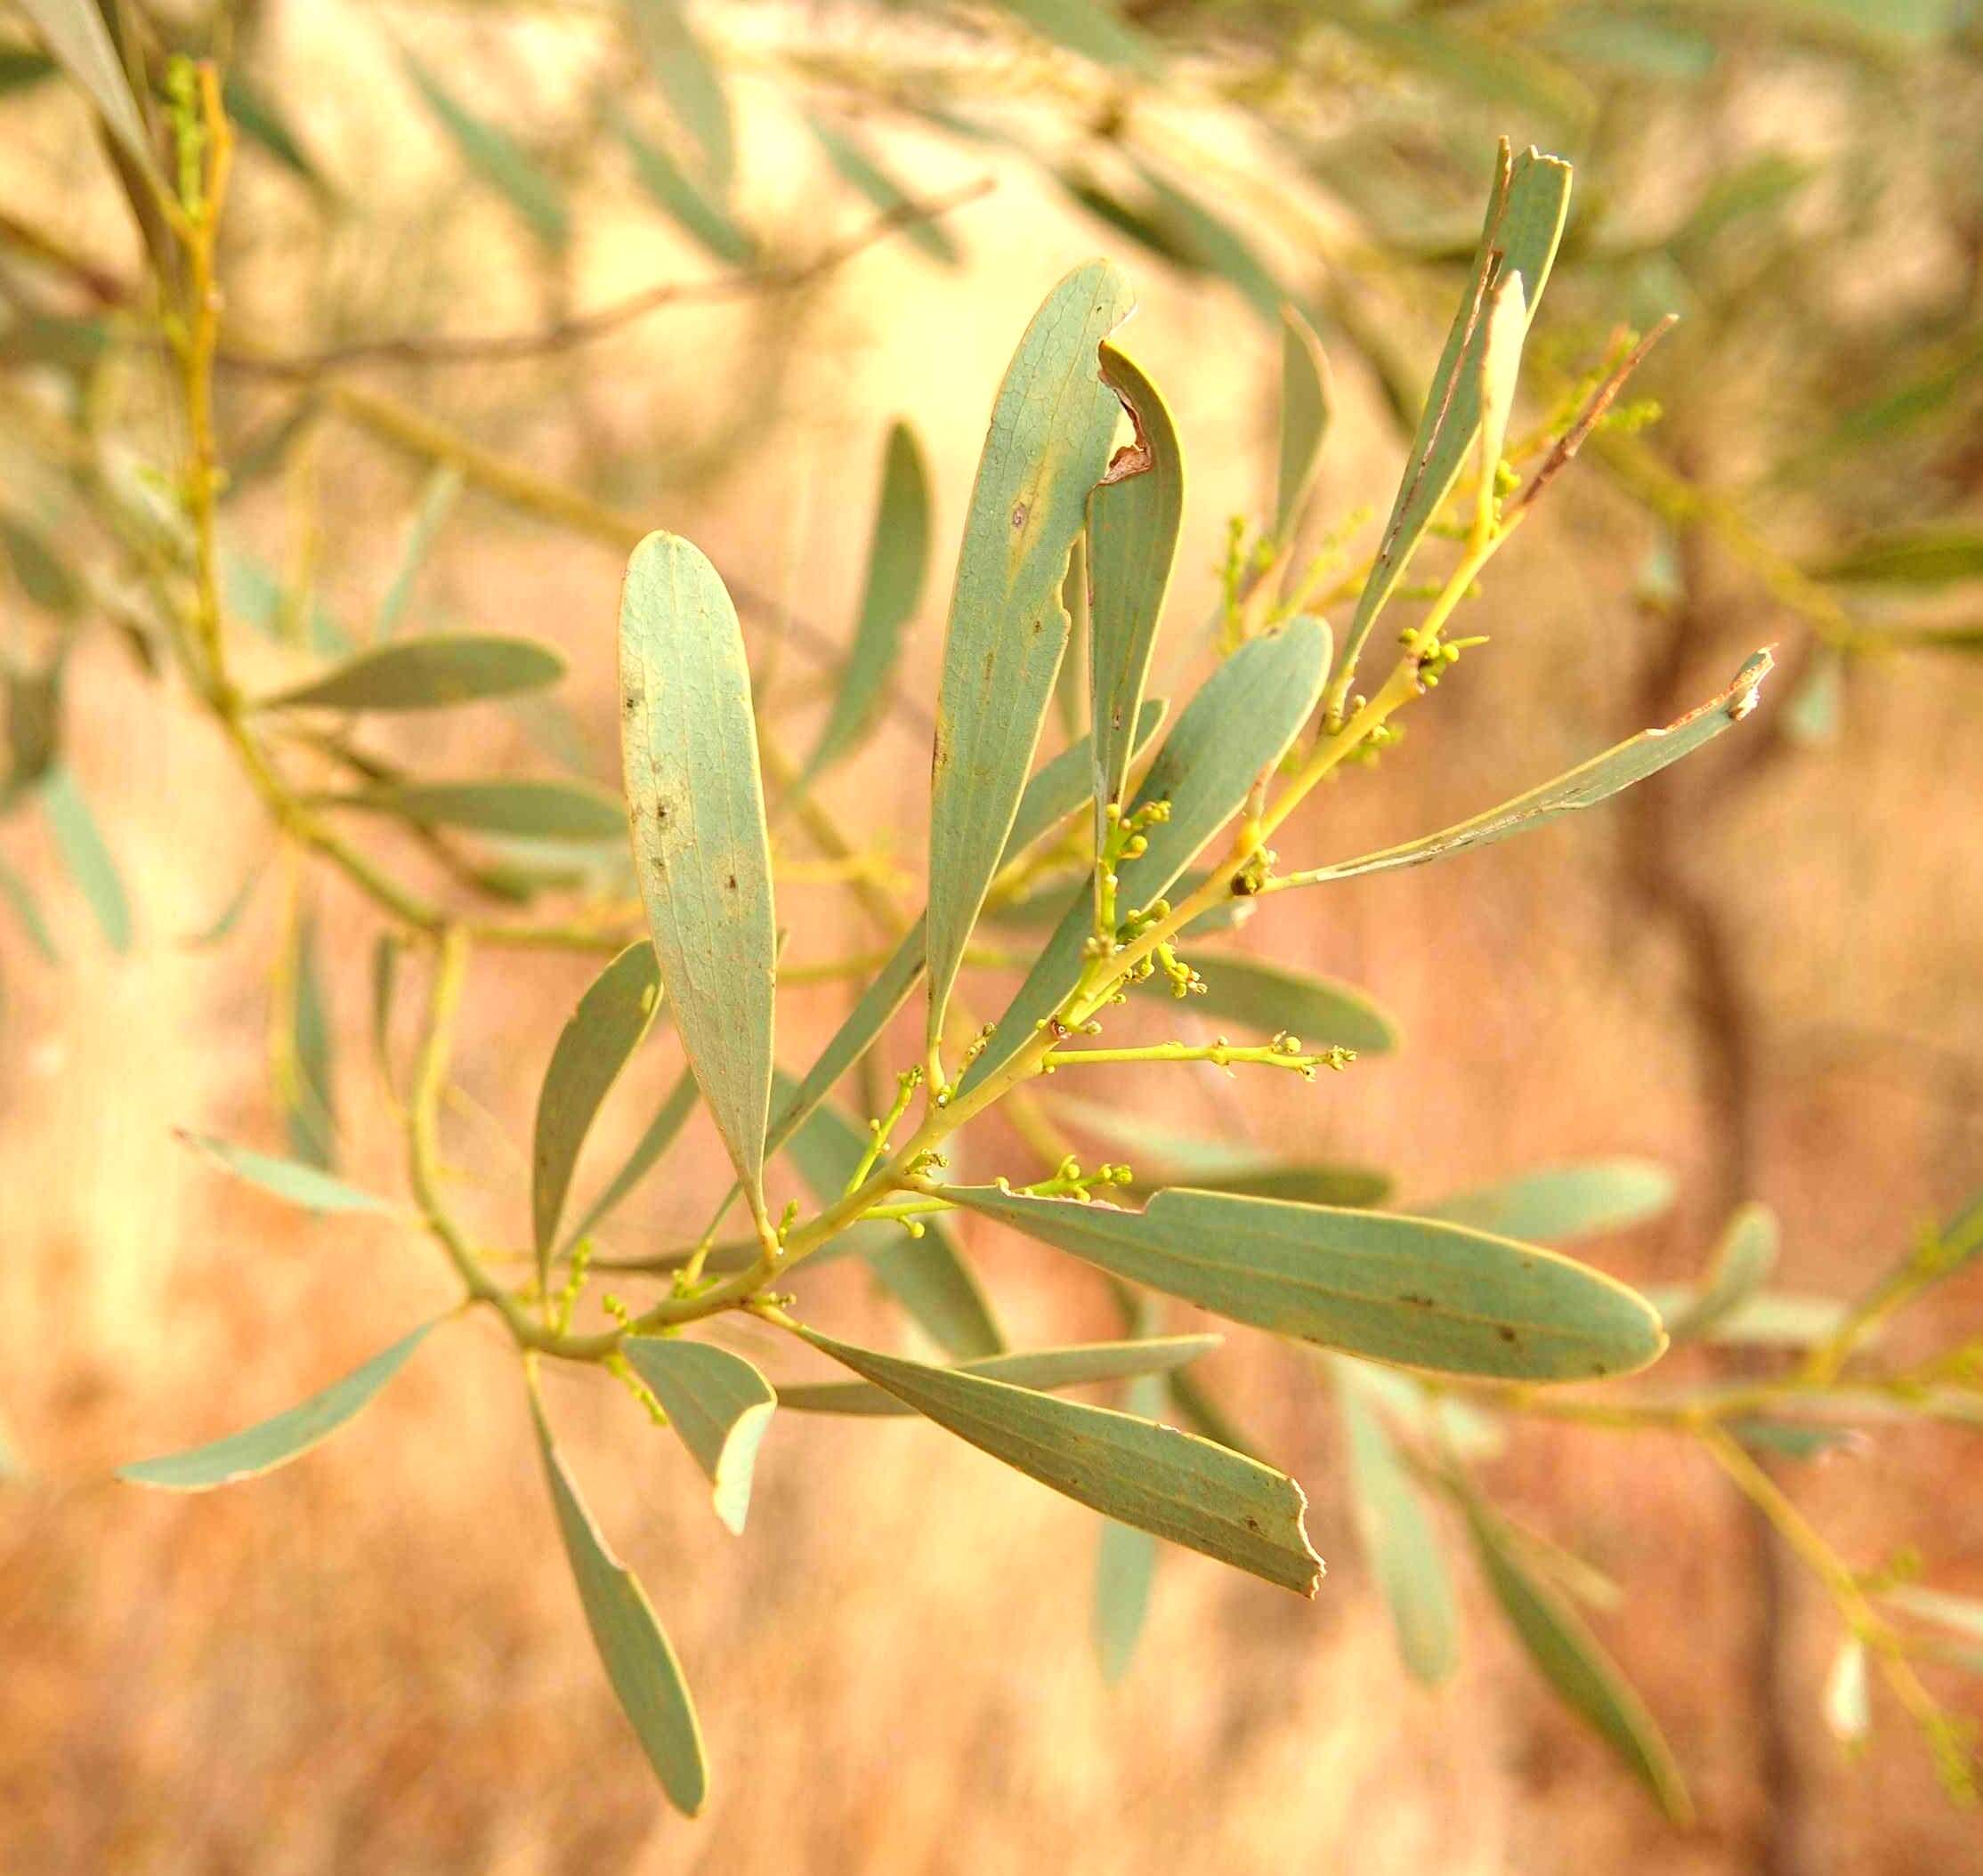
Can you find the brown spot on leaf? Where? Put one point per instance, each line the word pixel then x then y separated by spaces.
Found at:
pixel 1019 513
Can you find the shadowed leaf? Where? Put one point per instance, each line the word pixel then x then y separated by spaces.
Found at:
pixel 1919 557
pixel 720 1405
pixel 1047 1369
pixel 668 1121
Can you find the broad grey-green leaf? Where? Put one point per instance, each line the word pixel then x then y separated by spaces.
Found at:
pixel 1306 400
pixel 1238 725
pixel 1170 1483
pixel 1047 446
pixel 83 852
pixel 1582 786
pixel 639 1659
pixel 863 173
pixel 73 32
pixel 1398 1540
pixel 1571 1660
pixel 598 1041
pixel 442 490
pixel 689 739
pixel 1912 557
pixel 1045 1369
pixel 720 1405
pixel 1556 1203
pixel 1271 997
pixel 1523 225
pixel 660 1135
pixel 898 562
pixel 1133 517
pixel 496 158
pixel 691 84
pixel 1410 1291
pixel 308 1186
pixel 275 1442
pixel 529 810
pixel 697 213
pixel 1742 1260
pixel 428 673
pixel 926 1275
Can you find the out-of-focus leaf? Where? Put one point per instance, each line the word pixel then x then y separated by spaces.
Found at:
pixel 1743 1261
pixel 262 120
pixel 20 898
pixel 660 1135
pixel 694 210
pixel 44 576
pixel 385 972
pixel 1170 1483
pixel 1769 1319
pixel 1047 1369
pixel 1810 714
pixel 1307 400
pixel 1506 319
pixel 1645 46
pixel 1456 1425
pixel 1212 243
pixel 1847 1711
pixel 1094 28
pixel 611 1019
pixel 73 32
pixel 275 1442
pixel 1047 446
pixel 690 83
pixel 442 490
pixel 496 158
pixel 257 595
pixel 532 810
pixel 926 1275
pixel 34 700
pixel 1523 225
pixel 1762 186
pixel 860 171
pixel 898 563
pixel 1791 1441
pixel 22 67
pixel 1133 516
pixel 1397 1537
pixel 304 1084
pixel 1502 69
pixel 1582 786
pixel 1915 557
pixel 1071 684
pixel 696 795
pixel 1239 725
pixel 1125 1566
pixel 290 1180
pixel 1556 1203
pixel 639 1659
pixel 1270 998
pixel 720 1405
pixel 222 925
pixel 79 841
pixel 1961 1613
pixel 1569 1658
pixel 1412 1290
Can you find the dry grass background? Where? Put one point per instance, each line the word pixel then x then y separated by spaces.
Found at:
pixel 373 1660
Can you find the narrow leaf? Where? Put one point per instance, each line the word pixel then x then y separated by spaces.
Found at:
pixel 1125 1566
pixel 1560 1203
pixel 1047 1369
pixel 1170 1483
pixel 691 82
pixel 264 123
pixel 496 158
pixel 1401 1289
pixel 668 1122
pixel 1271 997
pixel 275 1442
pixel 1917 557
pixel 304 1085
pixel 442 490
pixel 694 788
pixel 639 1659
pixel 1583 787
pixel 898 562
pixel 1569 1658
pixel 1743 1261
pixel 1048 445
pixel 1133 517
pixel 1500 370
pixel 1306 400
pixel 611 1019
pixel 861 172
pixel 1095 28
pixel 529 810
pixel 698 214
pixel 427 674
pixel 20 898
pixel 720 1405
pixel 80 843
pixel 73 32
pixel 308 1186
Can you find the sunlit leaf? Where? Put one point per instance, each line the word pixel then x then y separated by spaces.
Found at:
pixel 694 210
pixel 658 1137
pixel 1047 1369
pixel 1411 1291
pixel 720 1405
pixel 598 1041
pixel 1307 398
pixel 1156 1478
pixel 1743 1261
pixel 1398 1540
pixel 1238 725
pixel 1047 446
pixel 1847 1710
pixel 691 84
pixel 308 1186
pixel 863 173
pixel 496 158
pixel 1506 319
pixel 1556 1203
pixel 275 1442
pixel 73 32
pixel 79 842
pixel 427 674
pixel 529 810
pixel 1133 517
pixel 696 797
pixel 1571 1660
pixel 1272 998
pixel 639 1659
pixel 898 562
pixel 1582 786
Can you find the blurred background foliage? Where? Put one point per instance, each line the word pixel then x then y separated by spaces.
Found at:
pixel 508 283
